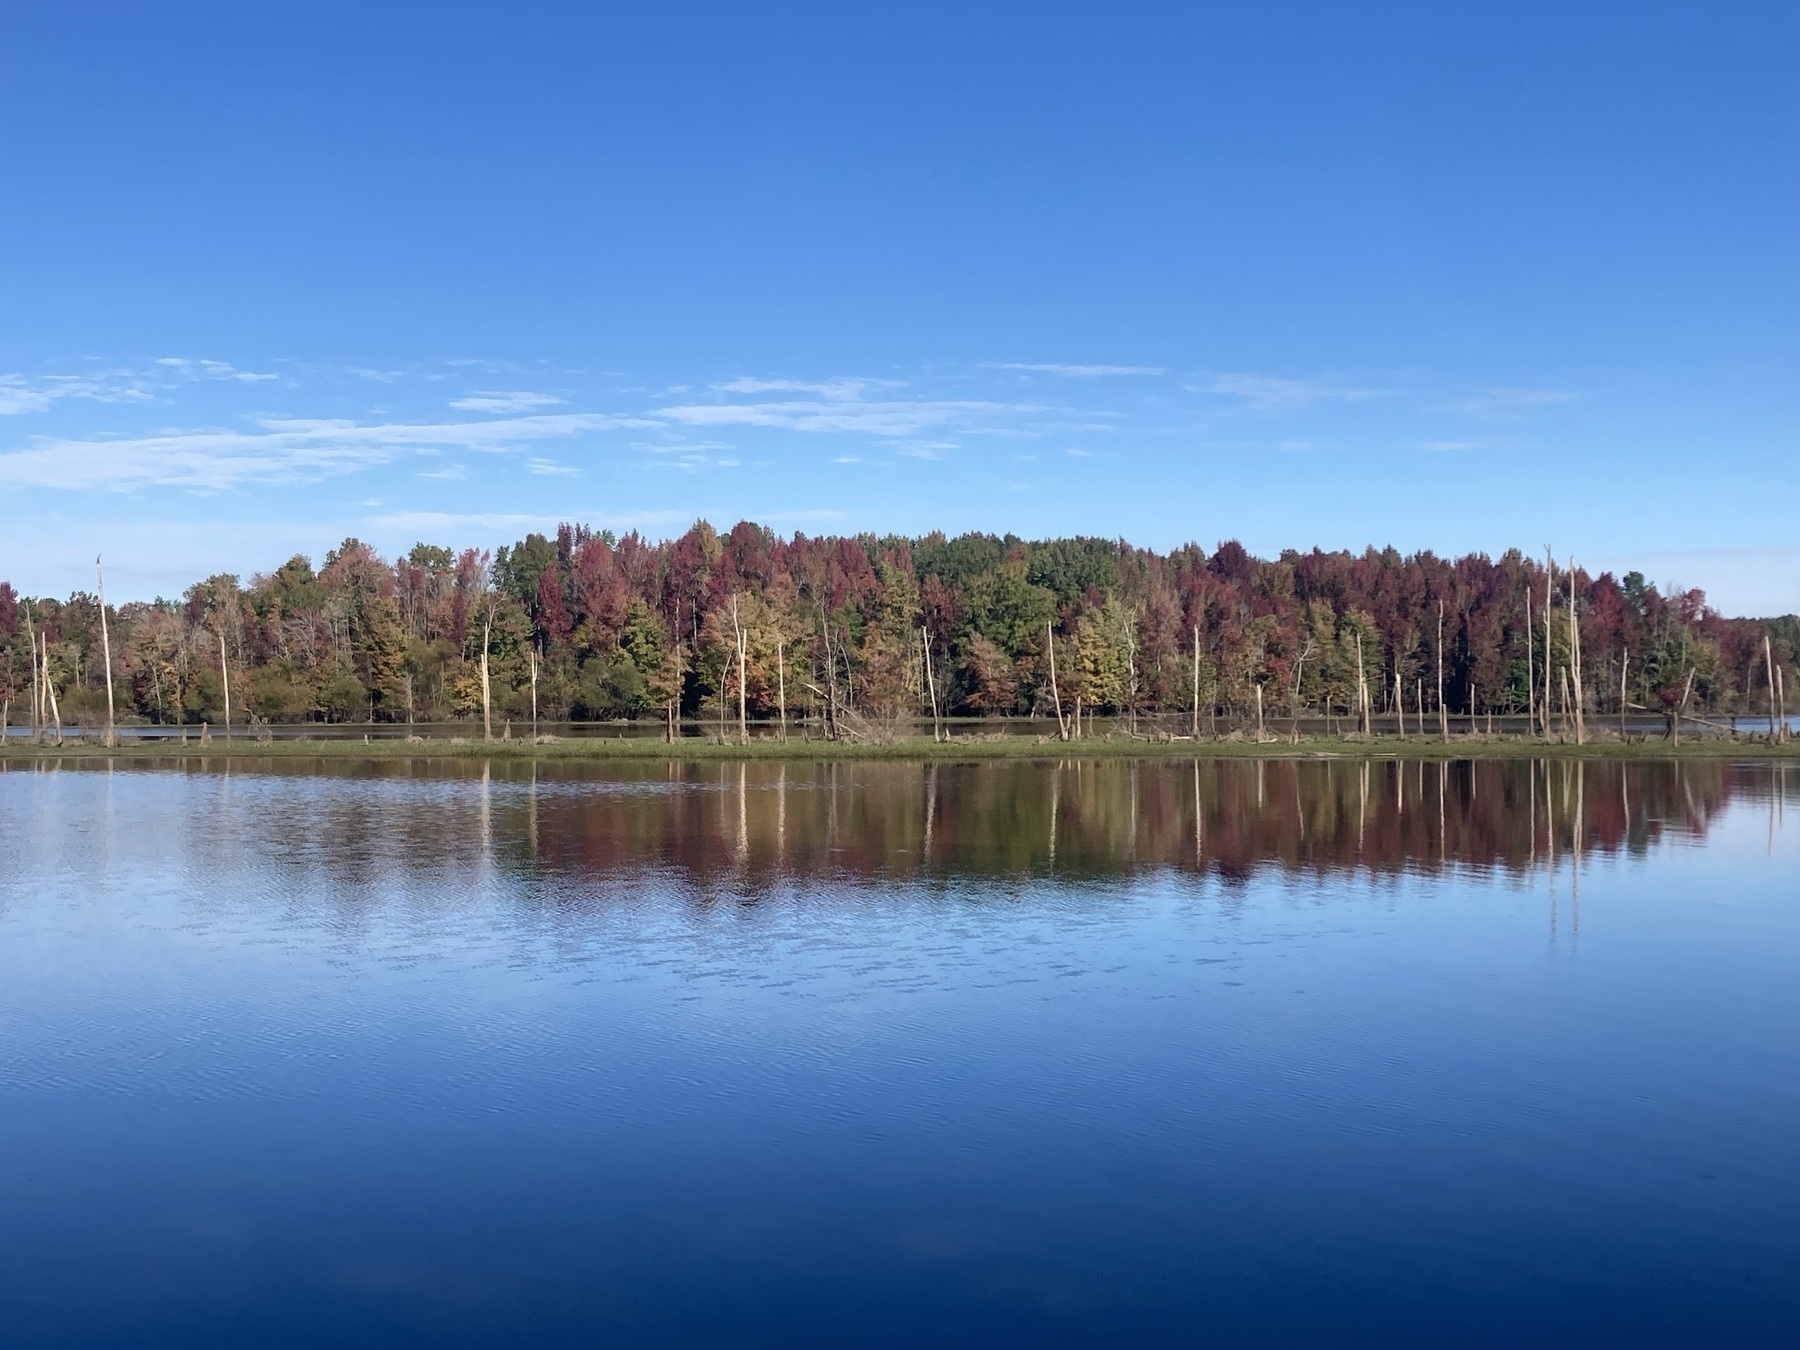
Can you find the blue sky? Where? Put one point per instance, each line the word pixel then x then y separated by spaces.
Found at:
pixel 1450 277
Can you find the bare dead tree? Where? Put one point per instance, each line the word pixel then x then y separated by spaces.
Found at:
pixel 1055 697
pixel 1681 708
pixel 937 726
pixel 1549 603
pixel 1362 690
pixel 1575 659
pixel 1769 658
pixel 1530 664
pixel 1624 669
pixel 37 694
pixel 112 732
pixel 487 693
pixel 50 690
pixel 1196 726
pixel 1443 712
pixel 743 661
pixel 225 676
pixel 532 656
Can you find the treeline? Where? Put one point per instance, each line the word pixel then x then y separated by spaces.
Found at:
pixel 854 632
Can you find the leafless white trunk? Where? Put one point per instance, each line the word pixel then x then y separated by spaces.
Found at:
pixel 1530 665
pixel 1575 660
pixel 50 691
pixel 37 689
pixel 1196 727
pixel 112 732
pixel 1769 657
pixel 224 674
pixel 937 726
pixel 1549 604
pixel 1443 713
pixel 1624 669
pixel 743 675
pixel 1362 690
pixel 487 698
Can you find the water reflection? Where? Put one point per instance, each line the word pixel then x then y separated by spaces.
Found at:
pixel 807 1054
pixel 758 824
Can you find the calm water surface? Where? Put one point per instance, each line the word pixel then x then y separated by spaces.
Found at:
pixel 1162 1053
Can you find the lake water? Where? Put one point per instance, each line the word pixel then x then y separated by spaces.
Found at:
pixel 1282 1053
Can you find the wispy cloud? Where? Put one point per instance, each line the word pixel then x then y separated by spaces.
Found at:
pixel 23 394
pixel 841 388
pixel 1507 401
pixel 278 450
pixel 549 468
pixel 1074 372
pixel 1271 393
pixel 213 370
pixel 505 401
pixel 840 407
pixel 1449 446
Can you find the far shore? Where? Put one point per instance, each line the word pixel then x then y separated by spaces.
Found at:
pixel 964 748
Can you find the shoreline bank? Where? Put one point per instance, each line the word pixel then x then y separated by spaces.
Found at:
pixel 964 749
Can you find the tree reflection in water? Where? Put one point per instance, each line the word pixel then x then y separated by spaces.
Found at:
pixel 759 824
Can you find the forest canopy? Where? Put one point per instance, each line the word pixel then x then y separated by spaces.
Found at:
pixel 599 627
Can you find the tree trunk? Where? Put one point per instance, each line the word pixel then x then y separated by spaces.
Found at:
pixel 487 700
pixel 1399 699
pixel 1624 669
pixel 1575 660
pixel 781 688
pixel 1362 690
pixel 1681 708
pixel 1062 727
pixel 225 675
pixel 1549 603
pixel 743 674
pixel 1443 712
pixel 531 653
pixel 112 730
pixel 37 696
pixel 937 726
pixel 1196 726
pixel 1769 657
pixel 1530 665
pixel 50 691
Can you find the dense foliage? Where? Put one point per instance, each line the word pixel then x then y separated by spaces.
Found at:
pixel 628 628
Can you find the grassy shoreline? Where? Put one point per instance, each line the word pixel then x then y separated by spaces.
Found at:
pixel 964 749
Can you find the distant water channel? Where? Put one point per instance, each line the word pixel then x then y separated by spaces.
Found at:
pixel 1159 1053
